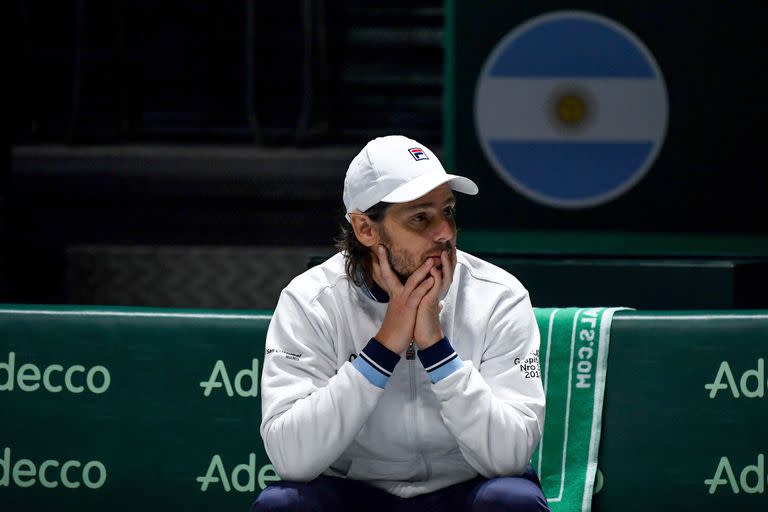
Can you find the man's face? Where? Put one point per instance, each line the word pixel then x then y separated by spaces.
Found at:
pixel 420 229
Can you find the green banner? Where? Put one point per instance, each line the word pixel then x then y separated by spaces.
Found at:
pixel 130 409
pixel 127 408
pixel 685 412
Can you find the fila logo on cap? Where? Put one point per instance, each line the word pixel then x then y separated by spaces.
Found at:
pixel 418 154
pixel 571 109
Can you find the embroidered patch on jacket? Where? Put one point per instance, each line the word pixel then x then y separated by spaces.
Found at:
pixel 289 355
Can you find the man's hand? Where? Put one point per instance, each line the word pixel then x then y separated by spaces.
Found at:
pixel 427 330
pixel 397 330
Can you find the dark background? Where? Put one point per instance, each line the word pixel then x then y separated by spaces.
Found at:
pixel 149 126
pixel 192 153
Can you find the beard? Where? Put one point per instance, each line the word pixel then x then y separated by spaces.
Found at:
pixel 399 262
pixel 403 263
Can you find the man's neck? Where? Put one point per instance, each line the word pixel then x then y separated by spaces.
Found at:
pixel 373 288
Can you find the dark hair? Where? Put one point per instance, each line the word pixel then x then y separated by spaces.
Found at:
pixel 356 255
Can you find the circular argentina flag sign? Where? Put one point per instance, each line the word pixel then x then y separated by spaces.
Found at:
pixel 571 109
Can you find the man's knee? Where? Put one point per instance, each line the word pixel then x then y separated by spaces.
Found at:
pixel 509 493
pixel 284 497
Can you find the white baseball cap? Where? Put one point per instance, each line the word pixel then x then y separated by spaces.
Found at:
pixel 396 169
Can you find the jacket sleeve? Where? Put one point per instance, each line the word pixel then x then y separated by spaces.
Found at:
pixel 496 411
pixel 312 408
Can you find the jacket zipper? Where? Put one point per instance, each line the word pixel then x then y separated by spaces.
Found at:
pixel 410 355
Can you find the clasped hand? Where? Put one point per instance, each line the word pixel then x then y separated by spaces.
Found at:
pixel 414 307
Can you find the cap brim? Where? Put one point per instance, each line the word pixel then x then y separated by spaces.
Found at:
pixel 426 183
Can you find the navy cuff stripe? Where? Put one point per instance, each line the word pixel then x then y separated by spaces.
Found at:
pixel 433 368
pixel 381 355
pixel 372 374
pixel 440 360
pixel 375 365
pixel 436 353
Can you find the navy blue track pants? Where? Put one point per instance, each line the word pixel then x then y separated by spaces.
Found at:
pixel 326 494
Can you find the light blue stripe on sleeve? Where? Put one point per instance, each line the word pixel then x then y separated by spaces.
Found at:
pixel 373 375
pixel 445 370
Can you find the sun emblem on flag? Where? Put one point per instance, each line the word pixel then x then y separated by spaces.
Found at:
pixel 571 108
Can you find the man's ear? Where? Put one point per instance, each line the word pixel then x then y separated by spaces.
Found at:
pixel 364 228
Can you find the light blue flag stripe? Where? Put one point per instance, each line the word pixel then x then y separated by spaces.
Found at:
pixel 572 47
pixel 571 170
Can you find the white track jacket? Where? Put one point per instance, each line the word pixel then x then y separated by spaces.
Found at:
pixel 337 402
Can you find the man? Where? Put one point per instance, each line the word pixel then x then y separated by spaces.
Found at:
pixel 389 380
